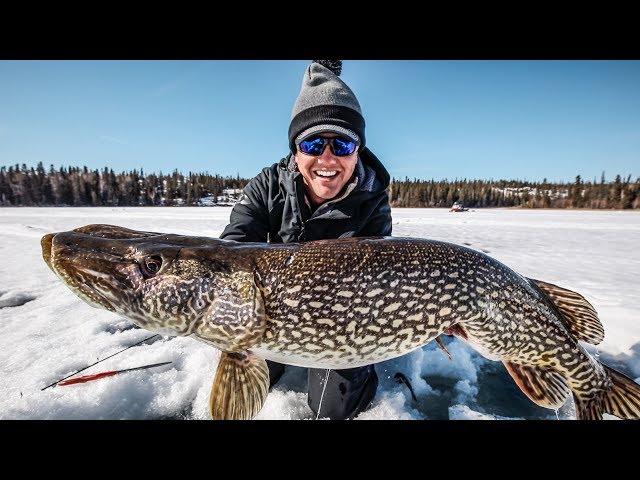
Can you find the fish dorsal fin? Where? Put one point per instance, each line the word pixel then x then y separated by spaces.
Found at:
pixel 240 387
pixel 581 318
pixel 542 385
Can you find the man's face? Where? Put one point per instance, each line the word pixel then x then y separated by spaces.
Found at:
pixel 326 175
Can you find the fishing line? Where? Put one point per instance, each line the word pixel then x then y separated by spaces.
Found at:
pixel 324 387
pixel 138 343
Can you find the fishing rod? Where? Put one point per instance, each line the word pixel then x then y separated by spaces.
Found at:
pixel 110 373
pixel 82 369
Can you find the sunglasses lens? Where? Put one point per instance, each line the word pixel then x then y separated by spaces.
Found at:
pixel 312 146
pixel 342 146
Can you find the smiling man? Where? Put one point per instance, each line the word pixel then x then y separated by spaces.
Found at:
pixel 329 186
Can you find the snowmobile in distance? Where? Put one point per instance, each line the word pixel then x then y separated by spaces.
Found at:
pixel 458 207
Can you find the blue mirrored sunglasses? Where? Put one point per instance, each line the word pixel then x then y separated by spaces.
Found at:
pixel 340 146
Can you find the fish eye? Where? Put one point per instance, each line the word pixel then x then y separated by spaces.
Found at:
pixel 150 266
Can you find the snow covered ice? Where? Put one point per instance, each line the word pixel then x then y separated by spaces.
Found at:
pixel 47 332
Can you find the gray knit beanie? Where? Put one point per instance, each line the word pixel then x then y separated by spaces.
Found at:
pixel 325 104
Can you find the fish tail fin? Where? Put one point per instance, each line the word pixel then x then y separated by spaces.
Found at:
pixel 621 399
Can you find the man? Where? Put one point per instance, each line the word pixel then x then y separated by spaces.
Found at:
pixel 329 186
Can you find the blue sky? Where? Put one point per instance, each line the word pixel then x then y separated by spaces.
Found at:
pixel 484 119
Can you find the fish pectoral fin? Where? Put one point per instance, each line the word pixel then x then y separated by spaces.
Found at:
pixel 581 318
pixel 543 386
pixel 240 387
pixel 236 317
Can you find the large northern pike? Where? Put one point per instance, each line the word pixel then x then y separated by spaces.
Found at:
pixel 340 304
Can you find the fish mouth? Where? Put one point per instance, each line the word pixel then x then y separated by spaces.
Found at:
pixel 92 297
pixel 79 269
pixel 46 244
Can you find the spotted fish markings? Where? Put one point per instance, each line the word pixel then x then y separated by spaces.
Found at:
pixel 340 304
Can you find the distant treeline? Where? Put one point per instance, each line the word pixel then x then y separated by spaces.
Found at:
pixel 620 193
pixel 75 186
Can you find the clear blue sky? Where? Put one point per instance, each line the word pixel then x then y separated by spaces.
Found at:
pixel 438 119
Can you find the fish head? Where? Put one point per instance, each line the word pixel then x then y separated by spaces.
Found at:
pixel 161 282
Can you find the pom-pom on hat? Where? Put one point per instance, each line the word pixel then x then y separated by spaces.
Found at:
pixel 325 104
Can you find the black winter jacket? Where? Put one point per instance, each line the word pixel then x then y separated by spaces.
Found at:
pixel 273 203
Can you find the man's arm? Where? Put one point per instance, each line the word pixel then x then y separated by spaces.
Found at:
pixel 249 219
pixel 379 223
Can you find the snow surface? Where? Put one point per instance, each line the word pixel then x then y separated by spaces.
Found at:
pixel 47 333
